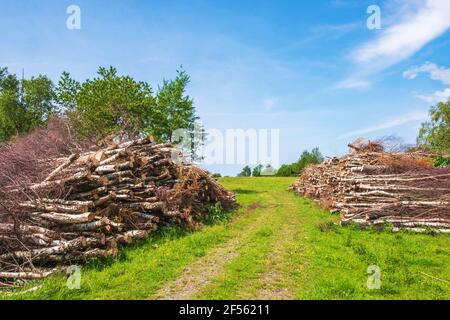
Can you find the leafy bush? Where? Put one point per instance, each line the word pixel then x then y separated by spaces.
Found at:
pixel 24 104
pixel 441 161
pixel 256 172
pixel 435 134
pixel 109 103
pixel 215 213
pixel 246 172
pixel 100 108
pixel 307 157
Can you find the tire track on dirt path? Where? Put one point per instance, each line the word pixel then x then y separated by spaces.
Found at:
pixel 277 283
pixel 199 274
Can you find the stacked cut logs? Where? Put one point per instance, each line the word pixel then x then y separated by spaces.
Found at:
pixel 376 188
pixel 94 202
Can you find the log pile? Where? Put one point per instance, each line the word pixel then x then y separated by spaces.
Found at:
pixel 92 203
pixel 369 187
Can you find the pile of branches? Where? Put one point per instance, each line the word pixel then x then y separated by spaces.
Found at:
pixel 371 187
pixel 92 202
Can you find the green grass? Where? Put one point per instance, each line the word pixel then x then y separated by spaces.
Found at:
pixel 285 247
pixel 413 266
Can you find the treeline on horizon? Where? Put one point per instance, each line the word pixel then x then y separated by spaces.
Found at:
pixel 286 170
pixel 433 137
pixel 108 104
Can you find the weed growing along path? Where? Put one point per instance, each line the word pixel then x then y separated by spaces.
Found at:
pixel 277 246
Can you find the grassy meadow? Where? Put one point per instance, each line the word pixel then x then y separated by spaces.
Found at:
pixel 276 246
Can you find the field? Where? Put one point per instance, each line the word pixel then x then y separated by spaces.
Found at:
pixel 276 246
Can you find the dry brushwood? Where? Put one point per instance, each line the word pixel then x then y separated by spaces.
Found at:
pixel 371 187
pixel 87 204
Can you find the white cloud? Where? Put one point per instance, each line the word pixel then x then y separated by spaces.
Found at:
pixel 435 72
pixel 400 40
pixel 438 96
pixel 411 117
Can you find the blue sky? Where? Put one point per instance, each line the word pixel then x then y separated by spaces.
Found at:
pixel 309 68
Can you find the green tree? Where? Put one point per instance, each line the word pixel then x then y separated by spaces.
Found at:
pixel 3 74
pixel 256 172
pixel 286 170
pixel 113 104
pixel 66 92
pixel 316 156
pixel 24 105
pixel 174 117
pixel 12 113
pixel 105 105
pixel 435 134
pixel 307 157
pixel 108 104
pixel 38 99
pixel 246 172
pixel 174 110
pixel 313 157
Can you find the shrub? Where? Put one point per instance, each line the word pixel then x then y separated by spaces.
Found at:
pixel 435 134
pixel 441 161
pixel 307 157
